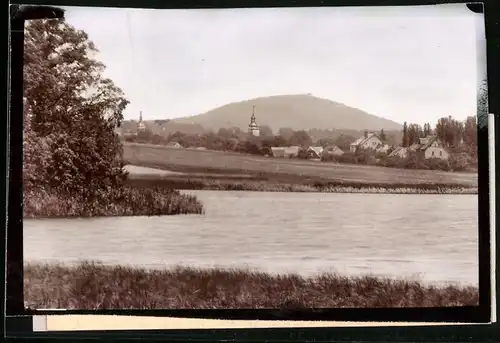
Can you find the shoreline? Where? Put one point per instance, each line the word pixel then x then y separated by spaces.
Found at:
pixel 86 286
pixel 255 185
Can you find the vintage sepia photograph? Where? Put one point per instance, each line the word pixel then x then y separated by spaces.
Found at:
pixel 253 158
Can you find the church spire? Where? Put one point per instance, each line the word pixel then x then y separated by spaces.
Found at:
pixel 140 125
pixel 252 119
pixel 253 128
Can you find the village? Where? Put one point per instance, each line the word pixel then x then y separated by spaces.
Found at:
pixel 425 152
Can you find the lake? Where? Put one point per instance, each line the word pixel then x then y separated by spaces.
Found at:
pixel 433 238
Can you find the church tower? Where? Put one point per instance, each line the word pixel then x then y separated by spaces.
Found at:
pixel 253 128
pixel 140 126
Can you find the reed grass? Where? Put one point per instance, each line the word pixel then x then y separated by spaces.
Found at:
pixel 129 201
pixel 199 183
pixel 92 285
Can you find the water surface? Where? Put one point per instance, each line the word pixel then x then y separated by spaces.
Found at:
pixel 431 237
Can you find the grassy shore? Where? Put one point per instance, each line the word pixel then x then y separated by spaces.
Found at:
pixel 91 285
pixel 131 201
pixel 217 162
pixel 233 184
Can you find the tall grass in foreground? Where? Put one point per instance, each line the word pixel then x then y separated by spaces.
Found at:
pixel 129 201
pixel 91 285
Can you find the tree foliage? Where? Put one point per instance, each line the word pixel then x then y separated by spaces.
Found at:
pixel 383 136
pixel 450 131
pixel 414 133
pixel 300 138
pixel 405 142
pixel 71 112
pixel 265 131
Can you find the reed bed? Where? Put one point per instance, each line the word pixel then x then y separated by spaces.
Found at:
pixel 92 285
pixel 266 187
pixel 129 201
pixel 270 186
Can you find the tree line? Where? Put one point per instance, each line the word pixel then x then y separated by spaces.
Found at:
pixel 454 134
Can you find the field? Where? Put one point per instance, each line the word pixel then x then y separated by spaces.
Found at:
pixel 92 285
pixel 224 165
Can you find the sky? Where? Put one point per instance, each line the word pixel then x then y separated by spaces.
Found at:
pixel 409 63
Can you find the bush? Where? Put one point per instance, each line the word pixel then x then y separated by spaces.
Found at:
pixel 391 161
pixel 347 157
pixel 303 154
pixel 438 164
pixel 327 157
pixel 460 162
pixel 413 161
pixel 248 147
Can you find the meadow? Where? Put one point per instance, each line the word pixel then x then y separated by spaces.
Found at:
pixel 92 285
pixel 220 170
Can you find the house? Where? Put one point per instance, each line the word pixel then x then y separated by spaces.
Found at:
pixel 292 151
pixel 428 147
pixel 400 152
pixel 432 147
pixel 278 151
pixel 334 150
pixel 384 149
pixel 289 151
pixel 370 140
pixel 174 145
pixel 315 151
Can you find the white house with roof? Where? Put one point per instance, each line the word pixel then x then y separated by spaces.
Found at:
pixel 369 140
pixel 432 147
pixel 315 151
pixel 428 147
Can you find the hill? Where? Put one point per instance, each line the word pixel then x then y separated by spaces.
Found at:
pixel 299 112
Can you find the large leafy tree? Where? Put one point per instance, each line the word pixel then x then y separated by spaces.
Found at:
pixel 71 112
pixel 413 132
pixel 470 134
pixel 300 138
pixel 450 131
